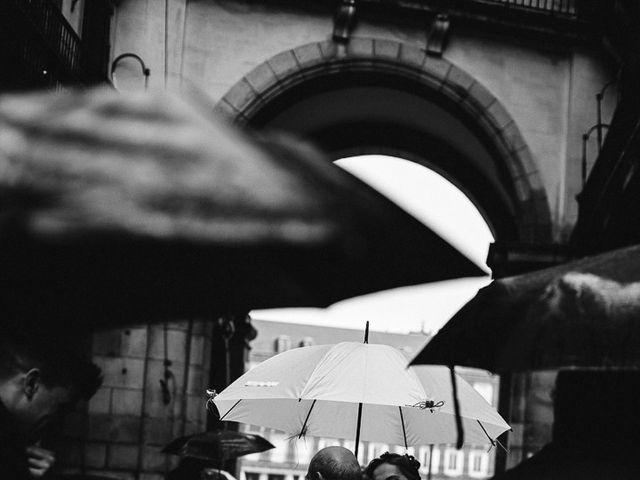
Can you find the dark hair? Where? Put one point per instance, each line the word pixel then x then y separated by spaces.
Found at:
pixel 407 464
pixel 60 361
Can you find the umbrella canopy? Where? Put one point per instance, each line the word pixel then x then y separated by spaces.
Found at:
pixel 319 390
pixel 118 208
pixel 219 445
pixel 580 314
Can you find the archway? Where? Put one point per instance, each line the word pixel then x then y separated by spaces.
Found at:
pixel 382 97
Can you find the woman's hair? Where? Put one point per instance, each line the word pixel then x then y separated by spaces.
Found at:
pixel 407 464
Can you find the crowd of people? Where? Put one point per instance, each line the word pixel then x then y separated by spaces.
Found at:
pixel 40 383
pixel 595 433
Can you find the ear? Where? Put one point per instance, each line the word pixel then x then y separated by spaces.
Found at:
pixel 32 382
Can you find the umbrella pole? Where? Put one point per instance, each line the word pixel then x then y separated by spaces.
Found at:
pixel 366 340
pixel 456 405
pixel 430 460
pixel 358 425
pixel 404 431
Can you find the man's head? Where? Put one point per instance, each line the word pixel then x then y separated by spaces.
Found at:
pixel 334 463
pixel 41 379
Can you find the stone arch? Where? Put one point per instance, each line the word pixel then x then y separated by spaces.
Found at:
pixel 269 81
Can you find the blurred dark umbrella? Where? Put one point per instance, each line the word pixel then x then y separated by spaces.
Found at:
pixel 218 445
pixel 582 314
pixel 118 209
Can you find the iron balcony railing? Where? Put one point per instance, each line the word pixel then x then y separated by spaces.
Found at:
pixel 41 49
pixel 571 20
pixel 61 40
pixel 562 7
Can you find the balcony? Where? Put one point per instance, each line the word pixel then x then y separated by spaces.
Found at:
pixel 569 20
pixel 41 49
pixel 551 7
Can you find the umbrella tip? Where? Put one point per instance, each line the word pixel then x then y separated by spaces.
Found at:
pixel 366 332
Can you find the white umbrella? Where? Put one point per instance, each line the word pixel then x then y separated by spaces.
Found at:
pixel 358 390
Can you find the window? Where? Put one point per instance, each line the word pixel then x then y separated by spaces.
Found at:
pixel 275 476
pixel 435 460
pixel 423 457
pixel 453 462
pixel 283 343
pixel 478 464
pixel 251 476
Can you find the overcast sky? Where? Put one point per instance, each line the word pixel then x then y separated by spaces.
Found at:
pixel 434 201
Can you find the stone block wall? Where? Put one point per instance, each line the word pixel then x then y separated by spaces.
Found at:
pixel 122 429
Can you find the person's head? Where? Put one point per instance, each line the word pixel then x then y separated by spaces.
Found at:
pixel 41 379
pixel 334 463
pixel 393 466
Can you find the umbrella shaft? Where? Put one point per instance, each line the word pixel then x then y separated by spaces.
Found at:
pixel 358 429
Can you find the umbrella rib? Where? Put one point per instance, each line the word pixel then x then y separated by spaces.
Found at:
pixel 228 411
pixel 304 425
pixel 486 433
pixel 493 442
pixel 404 432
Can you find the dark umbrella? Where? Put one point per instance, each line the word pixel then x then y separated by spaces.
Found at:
pixel 579 314
pixel 117 209
pixel 218 446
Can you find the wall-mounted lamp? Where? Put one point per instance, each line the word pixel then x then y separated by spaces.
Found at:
pixel 145 71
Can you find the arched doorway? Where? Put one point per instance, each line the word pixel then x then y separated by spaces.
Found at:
pixel 382 97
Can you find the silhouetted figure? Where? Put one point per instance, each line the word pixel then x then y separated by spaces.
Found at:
pixel 41 379
pixel 596 430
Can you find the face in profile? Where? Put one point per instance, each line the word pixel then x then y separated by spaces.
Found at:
pixel 42 407
pixel 387 471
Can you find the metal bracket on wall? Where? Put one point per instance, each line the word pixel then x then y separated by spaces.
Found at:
pixel 114 65
pixel 344 21
pixel 437 35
